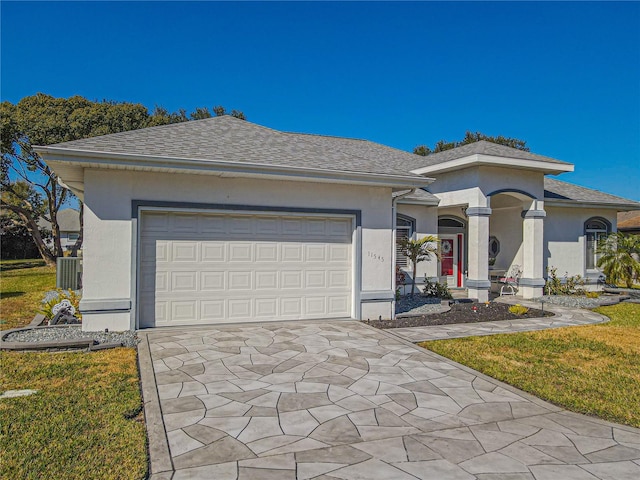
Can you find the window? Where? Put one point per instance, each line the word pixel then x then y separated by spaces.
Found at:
pixel 450 222
pixel 595 229
pixel 73 236
pixel 405 227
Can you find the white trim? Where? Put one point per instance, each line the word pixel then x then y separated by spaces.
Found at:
pixel 621 207
pixel 481 159
pixel 92 159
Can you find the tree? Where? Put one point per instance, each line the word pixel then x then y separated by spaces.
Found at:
pixel 30 189
pixel 620 258
pixel 418 251
pixel 471 137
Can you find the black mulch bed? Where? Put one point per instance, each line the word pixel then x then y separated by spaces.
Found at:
pixel 461 313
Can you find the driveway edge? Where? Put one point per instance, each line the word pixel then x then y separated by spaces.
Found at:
pixel 160 464
pixel 526 395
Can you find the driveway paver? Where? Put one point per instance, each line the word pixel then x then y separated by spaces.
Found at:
pixel 341 400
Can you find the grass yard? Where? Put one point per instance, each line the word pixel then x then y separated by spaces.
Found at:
pixel 84 422
pixel 86 419
pixel 592 369
pixel 23 284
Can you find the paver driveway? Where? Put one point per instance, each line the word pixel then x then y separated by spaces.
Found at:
pixel 341 400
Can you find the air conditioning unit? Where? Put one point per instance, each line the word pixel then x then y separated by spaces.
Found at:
pixel 68 273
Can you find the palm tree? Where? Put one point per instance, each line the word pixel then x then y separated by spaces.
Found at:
pixel 418 251
pixel 620 258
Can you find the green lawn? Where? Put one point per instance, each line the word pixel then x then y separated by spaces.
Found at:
pixel 85 421
pixel 592 369
pixel 23 284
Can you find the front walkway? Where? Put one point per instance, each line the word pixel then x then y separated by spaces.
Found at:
pixel 341 400
pixel 564 317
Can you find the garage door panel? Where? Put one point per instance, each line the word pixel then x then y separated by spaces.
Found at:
pixel 184 223
pixel 291 279
pixel 315 279
pixel 240 280
pixel 204 269
pixel 339 279
pixel 184 311
pixel 212 281
pixel 267 226
pixel 291 252
pixel 184 282
pixel 266 252
pixel 213 252
pixel 239 308
pixel 266 280
pixel 212 310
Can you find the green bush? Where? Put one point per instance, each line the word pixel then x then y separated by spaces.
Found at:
pixel 437 290
pixel 53 297
pixel 518 309
pixel 592 294
pixel 570 286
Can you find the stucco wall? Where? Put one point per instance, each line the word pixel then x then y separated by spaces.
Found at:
pixel 564 238
pixel 472 185
pixel 426 224
pixel 110 232
pixel 506 225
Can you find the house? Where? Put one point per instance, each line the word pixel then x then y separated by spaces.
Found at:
pixel 629 222
pixel 221 220
pixel 69 224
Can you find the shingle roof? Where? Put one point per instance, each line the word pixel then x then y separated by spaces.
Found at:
pixel 558 190
pixel 229 139
pixel 483 147
pixel 422 196
pixel 629 220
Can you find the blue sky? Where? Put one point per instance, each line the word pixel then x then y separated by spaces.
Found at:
pixel 565 77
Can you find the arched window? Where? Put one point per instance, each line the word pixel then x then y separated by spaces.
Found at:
pixel 595 229
pixel 405 226
pixel 450 222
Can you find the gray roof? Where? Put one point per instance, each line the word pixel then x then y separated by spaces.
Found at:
pixel 68 221
pixel 229 139
pixel 421 196
pixel 483 147
pixel 562 191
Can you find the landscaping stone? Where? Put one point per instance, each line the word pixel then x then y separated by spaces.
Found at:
pixel 64 336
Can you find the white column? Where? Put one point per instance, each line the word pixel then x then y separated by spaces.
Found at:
pixel 532 280
pixel 478 283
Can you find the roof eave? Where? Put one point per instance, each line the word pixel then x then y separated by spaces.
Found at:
pixel 623 207
pixel 414 201
pixel 225 168
pixel 491 160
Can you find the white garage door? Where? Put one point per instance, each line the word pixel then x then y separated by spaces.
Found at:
pixel 215 268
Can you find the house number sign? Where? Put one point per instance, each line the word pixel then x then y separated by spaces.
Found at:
pixel 375 256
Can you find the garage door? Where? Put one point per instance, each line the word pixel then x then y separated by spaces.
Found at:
pixel 216 268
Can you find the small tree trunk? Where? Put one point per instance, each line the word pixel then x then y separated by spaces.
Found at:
pixel 413 280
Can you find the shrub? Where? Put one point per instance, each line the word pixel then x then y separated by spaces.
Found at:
pixel 53 297
pixel 518 309
pixel 592 294
pixel 565 286
pixel 435 289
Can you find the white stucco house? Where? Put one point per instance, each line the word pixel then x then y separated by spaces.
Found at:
pixel 221 220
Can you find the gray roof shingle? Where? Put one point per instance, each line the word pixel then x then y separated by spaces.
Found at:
pixel 483 147
pixel 562 191
pixel 229 139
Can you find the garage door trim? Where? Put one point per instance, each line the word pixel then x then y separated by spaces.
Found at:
pixel 141 206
